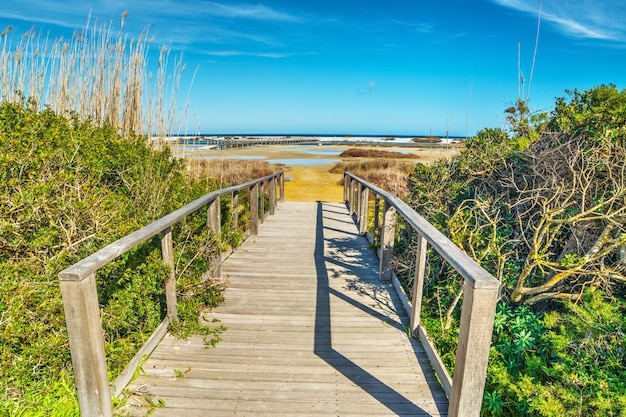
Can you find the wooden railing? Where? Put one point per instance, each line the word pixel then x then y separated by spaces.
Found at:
pixel 480 292
pixel 80 300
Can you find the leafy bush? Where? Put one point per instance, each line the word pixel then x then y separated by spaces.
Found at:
pixel 67 189
pixel 567 362
pixel 544 210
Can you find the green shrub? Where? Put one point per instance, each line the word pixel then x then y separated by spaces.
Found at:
pixel 543 211
pixel 67 189
pixel 567 362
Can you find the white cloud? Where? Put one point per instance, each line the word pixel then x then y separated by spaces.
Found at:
pixel 184 25
pixel 243 53
pixel 247 11
pixel 595 19
pixel 418 27
pixel 37 10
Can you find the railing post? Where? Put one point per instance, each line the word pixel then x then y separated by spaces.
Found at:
pixel 352 196
pixel 377 218
pixel 387 241
pixel 254 209
pixel 262 202
pixel 363 208
pixel 272 192
pixel 167 252
pixel 418 282
pixel 214 223
pixel 84 331
pixel 346 187
pixel 235 209
pixel 282 187
pixel 470 369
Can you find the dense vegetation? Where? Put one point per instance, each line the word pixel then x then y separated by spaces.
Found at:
pixel 78 172
pixel 68 188
pixel 543 208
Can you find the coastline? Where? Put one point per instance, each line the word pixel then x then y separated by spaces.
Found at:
pixel 382 140
pixel 307 167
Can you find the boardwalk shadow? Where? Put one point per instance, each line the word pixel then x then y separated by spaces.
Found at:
pixel 385 395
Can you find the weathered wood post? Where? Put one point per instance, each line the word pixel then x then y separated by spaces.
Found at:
pixel 214 224
pixel 377 232
pixel 418 282
pixel 254 209
pixel 346 187
pixel 352 196
pixel 235 208
pixel 262 202
pixel 363 208
pixel 282 187
pixel 476 327
pixel 167 252
pixel 84 331
pixel 272 193
pixel 386 242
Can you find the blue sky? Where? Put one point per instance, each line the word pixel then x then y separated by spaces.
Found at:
pixel 394 67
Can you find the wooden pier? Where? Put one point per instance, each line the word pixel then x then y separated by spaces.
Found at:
pixel 243 142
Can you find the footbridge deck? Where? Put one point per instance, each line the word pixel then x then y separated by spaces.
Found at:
pixel 316 324
pixel 311 330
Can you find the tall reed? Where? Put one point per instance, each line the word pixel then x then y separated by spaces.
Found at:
pixel 99 74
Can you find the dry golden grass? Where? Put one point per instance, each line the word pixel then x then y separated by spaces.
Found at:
pixel 98 75
pixel 389 174
pixel 313 183
pixel 229 171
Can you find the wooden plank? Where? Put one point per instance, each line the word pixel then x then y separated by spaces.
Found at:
pixel 128 373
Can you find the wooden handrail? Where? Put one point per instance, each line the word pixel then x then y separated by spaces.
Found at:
pixel 465 390
pixel 92 263
pixel 80 298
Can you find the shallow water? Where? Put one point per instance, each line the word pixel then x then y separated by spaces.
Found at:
pixel 232 157
pixel 303 161
pixel 321 151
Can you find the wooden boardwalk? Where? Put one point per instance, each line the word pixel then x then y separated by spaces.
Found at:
pixel 311 332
